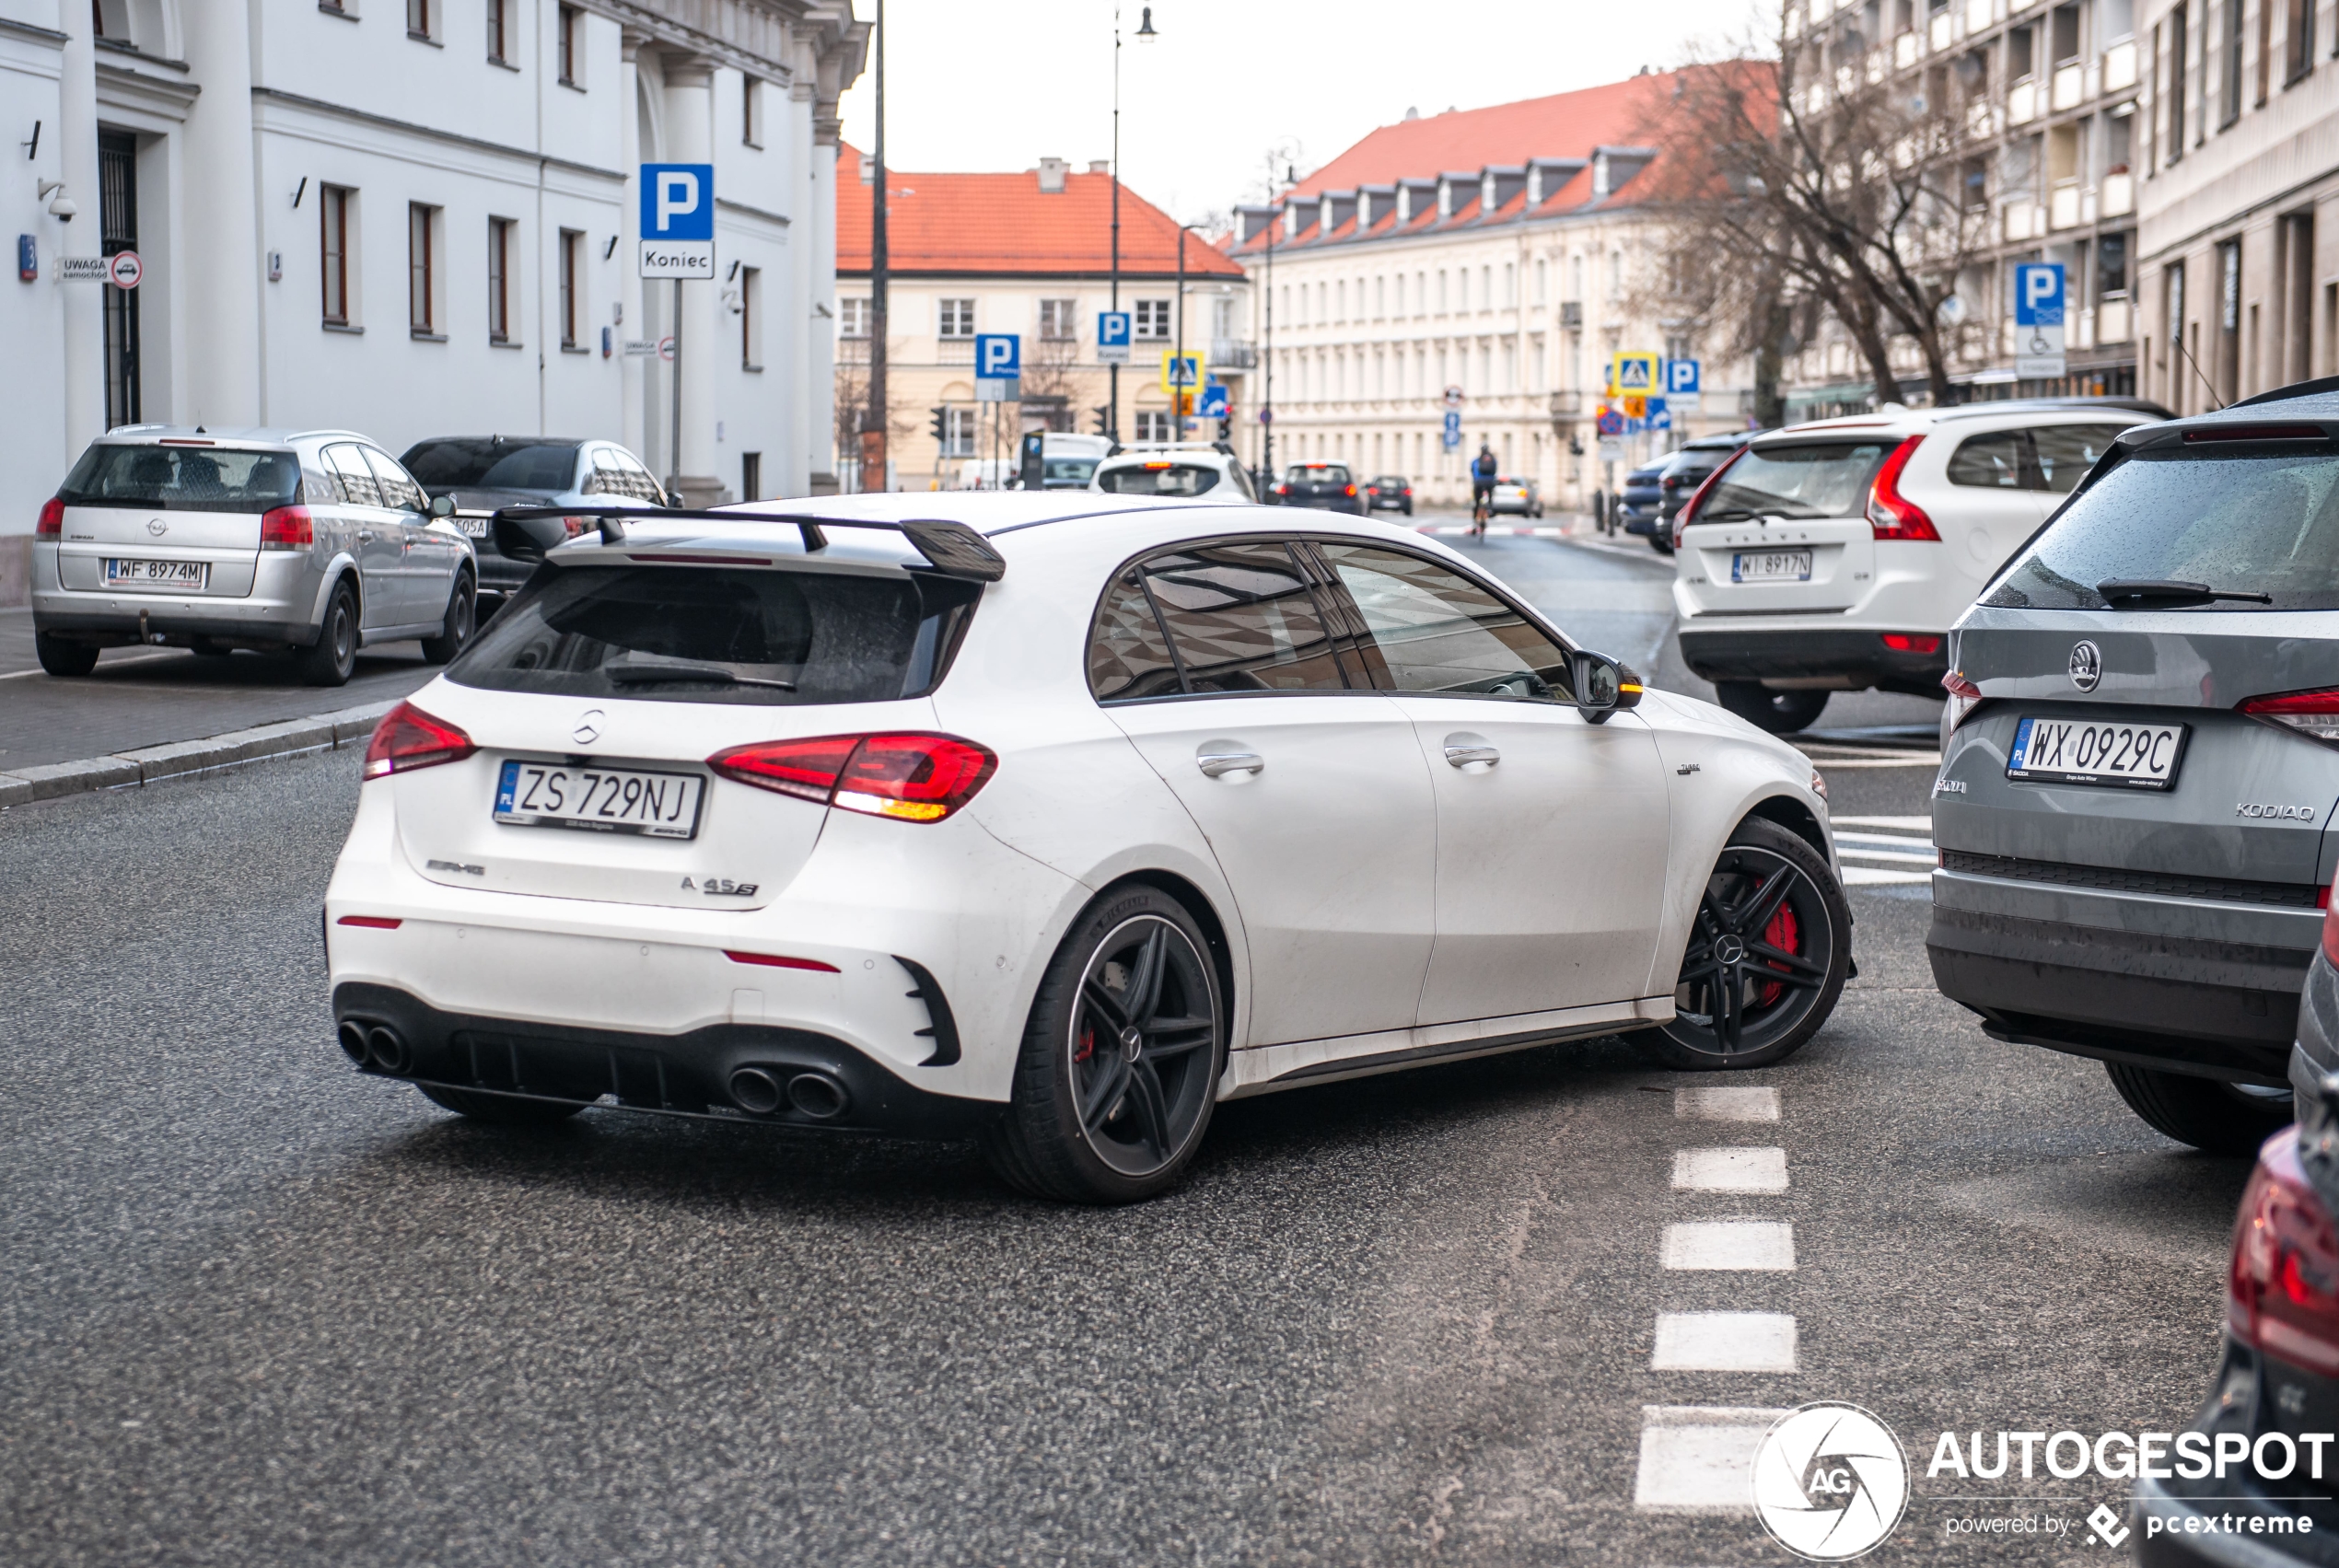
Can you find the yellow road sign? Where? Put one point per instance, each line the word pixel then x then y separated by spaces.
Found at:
pixel 1633 373
pixel 1187 378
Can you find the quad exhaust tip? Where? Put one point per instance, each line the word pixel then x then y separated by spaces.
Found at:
pixel 353 1041
pixel 755 1090
pixel 374 1045
pixel 817 1095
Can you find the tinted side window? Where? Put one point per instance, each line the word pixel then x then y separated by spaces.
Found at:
pixel 1242 618
pixel 357 484
pixel 1439 632
pixel 1998 459
pixel 2065 452
pixel 1128 655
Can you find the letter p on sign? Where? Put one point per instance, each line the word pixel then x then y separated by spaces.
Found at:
pixel 677 192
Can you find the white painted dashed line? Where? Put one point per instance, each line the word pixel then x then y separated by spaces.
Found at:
pixel 1876 877
pixel 1699 1458
pixel 1724 1341
pixel 1905 824
pixel 1730 1170
pixel 1752 1244
pixel 1726 1105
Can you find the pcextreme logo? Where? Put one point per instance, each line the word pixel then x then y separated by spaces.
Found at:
pixel 1830 1481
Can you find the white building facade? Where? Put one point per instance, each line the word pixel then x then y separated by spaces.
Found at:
pixel 417 217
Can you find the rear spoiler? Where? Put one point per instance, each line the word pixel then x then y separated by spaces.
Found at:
pixel 951 549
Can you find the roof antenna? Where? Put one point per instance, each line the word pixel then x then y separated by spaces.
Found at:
pixel 2179 340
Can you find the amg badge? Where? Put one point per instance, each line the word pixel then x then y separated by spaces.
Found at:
pixel 719 888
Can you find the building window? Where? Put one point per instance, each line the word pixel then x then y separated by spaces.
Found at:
pixel 1152 319
pixel 1153 424
pixel 333 215
pixel 497 31
pixel 750 110
pixel 1056 319
pixel 572 259
pixel 570 46
pixel 2179 49
pixel 751 318
pixel 751 476
pixel 2228 370
pixel 499 280
pixel 957 319
pixel 418 18
pixel 853 317
pixel 958 432
pixel 2231 75
pixel 422 270
pixel 2300 40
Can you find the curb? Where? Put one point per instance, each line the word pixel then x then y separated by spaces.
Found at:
pixel 185 758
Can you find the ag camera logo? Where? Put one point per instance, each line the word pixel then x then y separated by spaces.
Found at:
pixel 1830 1481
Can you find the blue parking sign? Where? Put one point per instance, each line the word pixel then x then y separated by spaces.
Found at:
pixel 1113 337
pixel 678 201
pixel 998 355
pixel 2038 294
pixel 1681 376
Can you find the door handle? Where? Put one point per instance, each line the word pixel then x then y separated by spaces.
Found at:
pixel 1461 750
pixel 1217 763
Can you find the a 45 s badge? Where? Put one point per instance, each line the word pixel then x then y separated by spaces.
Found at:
pixel 1830 1481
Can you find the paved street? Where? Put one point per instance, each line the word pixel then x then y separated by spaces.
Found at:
pixel 263 1310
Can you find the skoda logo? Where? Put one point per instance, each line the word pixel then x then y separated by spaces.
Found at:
pixel 2087 666
pixel 1830 1481
pixel 588 728
pixel 157 527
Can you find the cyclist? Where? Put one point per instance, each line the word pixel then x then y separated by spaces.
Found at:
pixel 1482 490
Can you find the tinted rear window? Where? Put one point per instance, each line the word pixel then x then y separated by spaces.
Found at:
pixel 720 635
pixel 1316 473
pixel 2250 523
pixel 492 465
pixel 1167 479
pixel 183 479
pixel 1068 471
pixel 1818 480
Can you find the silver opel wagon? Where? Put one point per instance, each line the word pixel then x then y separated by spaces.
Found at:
pixel 2140 761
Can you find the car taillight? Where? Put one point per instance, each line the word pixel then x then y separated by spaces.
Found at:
pixel 911 777
pixel 1889 514
pixel 1688 514
pixel 1964 696
pixel 53 518
pixel 408 738
pixel 1911 642
pixel 1352 490
pixel 575 526
pixel 1283 490
pixel 2282 1293
pixel 2314 714
pixel 286 528
pixel 2330 927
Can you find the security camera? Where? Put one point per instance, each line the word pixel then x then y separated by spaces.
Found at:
pixel 61 208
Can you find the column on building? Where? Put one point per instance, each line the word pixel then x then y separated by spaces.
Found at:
pixel 690 138
pixel 800 324
pixel 82 302
pixel 632 373
pixel 221 245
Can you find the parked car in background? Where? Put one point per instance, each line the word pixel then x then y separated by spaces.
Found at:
pixel 2139 762
pixel 1326 487
pixel 1186 470
pixel 1681 476
pixel 1637 505
pixel 484 473
pixel 1515 497
pixel 1068 459
pixel 312 543
pixel 1390 492
pixel 1834 556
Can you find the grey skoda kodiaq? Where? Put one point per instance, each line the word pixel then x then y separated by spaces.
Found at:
pixel 2140 761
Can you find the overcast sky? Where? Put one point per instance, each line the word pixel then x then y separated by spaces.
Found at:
pixel 997 87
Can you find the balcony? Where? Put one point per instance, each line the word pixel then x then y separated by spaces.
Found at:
pixel 1233 353
pixel 2025 219
pixel 2119 195
pixel 2063 207
pixel 2112 321
pixel 2070 85
pixel 1904 51
pixel 1566 408
pixel 1937 32
pixel 2022 104
pixel 2120 66
pixel 1977 16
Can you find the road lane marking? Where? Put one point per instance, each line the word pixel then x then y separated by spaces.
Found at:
pixel 1730 1244
pixel 1726 1105
pixel 1699 1458
pixel 1724 1341
pixel 1872 877
pixel 1730 1170
pixel 1907 824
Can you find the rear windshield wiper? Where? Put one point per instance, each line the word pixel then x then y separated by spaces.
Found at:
pixel 649 672
pixel 2152 592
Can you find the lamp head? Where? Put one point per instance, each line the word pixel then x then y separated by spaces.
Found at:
pixel 1144 25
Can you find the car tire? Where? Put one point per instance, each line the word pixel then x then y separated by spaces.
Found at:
pixel 59 656
pixel 1660 544
pixel 1771 907
pixel 204 647
pixel 331 662
pixel 1781 713
pixel 462 620
pixel 1120 1062
pixel 2216 1119
pixel 503 1110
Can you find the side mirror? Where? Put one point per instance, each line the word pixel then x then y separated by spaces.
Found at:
pixel 1603 686
pixel 442 505
pixel 527 539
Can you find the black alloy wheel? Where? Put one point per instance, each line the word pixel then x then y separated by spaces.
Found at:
pixel 1120 1064
pixel 1768 952
pixel 334 657
pixel 455 629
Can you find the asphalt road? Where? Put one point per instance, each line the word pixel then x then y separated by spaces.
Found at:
pixel 261 1310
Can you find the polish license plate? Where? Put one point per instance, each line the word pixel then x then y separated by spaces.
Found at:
pixel 2086 751
pixel 1771 566
pixel 195 574
pixel 475 527
pixel 600 800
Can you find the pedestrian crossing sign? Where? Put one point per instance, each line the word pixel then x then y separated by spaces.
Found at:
pixel 1633 373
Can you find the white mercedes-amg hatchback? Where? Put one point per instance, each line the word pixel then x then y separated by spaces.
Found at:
pixel 1053 821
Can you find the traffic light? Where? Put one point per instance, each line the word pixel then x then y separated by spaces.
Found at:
pixel 1226 430
pixel 1104 418
pixel 941 427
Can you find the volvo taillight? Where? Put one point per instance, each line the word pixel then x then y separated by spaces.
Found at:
pixel 2282 1291
pixel 2314 714
pixel 910 777
pixel 408 738
pixel 1688 514
pixel 1892 515
pixel 286 528
pixel 53 519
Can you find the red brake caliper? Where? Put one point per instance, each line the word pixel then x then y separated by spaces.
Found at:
pixel 1088 1043
pixel 1786 935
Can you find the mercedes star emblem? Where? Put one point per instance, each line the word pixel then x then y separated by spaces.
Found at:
pixel 2087 666
pixel 157 527
pixel 588 728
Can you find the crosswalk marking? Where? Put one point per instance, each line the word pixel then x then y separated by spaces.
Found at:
pixel 1725 1104
pixel 1698 1458
pixel 1730 1170
pixel 1724 1341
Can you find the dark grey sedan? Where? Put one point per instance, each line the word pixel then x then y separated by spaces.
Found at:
pixel 2140 764
pixel 485 473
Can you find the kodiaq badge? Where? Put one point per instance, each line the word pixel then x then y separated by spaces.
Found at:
pixel 2087 666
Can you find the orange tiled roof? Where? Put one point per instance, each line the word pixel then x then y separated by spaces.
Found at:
pixel 946 225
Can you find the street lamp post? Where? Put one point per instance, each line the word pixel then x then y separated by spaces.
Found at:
pixel 874 422
pixel 1145 29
